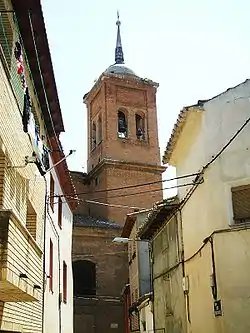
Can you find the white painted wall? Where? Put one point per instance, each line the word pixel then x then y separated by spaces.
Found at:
pixel 62 241
pixel 210 209
pixel 146 314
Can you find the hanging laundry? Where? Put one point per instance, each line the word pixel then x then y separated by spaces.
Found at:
pixel 19 63
pixel 26 110
pixel 19 58
pixel 18 51
pixel 45 158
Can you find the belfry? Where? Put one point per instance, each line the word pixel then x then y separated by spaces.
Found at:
pixel 123 174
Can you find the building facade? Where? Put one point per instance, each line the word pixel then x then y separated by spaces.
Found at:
pixel 212 138
pixel 123 152
pixel 58 293
pixel 163 230
pixel 140 312
pixel 30 121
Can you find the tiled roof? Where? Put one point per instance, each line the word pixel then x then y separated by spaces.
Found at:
pixel 181 120
pixel 157 217
pixel 90 221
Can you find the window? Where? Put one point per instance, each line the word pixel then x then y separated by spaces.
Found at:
pixel 140 131
pixel 241 203
pixel 52 192
pixel 99 130
pixel 122 125
pixel 93 137
pixel 60 212
pixel 84 277
pixel 51 266
pixel 64 282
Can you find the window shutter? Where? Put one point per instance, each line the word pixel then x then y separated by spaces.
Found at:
pixel 241 203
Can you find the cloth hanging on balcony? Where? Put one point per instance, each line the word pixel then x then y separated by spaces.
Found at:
pixel 19 62
pixel 26 110
pixel 19 58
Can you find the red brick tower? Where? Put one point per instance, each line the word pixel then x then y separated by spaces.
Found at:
pixel 123 147
pixel 123 153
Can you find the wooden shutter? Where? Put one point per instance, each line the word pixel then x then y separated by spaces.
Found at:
pixel 241 203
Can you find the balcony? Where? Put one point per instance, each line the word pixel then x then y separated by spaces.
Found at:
pixel 20 261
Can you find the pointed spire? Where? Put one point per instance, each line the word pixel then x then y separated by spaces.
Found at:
pixel 119 58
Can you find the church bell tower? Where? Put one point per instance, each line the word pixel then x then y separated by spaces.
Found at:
pixel 124 168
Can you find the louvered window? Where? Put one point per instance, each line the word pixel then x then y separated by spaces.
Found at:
pixel 241 203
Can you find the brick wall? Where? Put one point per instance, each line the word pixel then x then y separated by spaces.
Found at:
pixel 95 244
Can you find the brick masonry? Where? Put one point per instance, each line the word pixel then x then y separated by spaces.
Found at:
pixel 114 163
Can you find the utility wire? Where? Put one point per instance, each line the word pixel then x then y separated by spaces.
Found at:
pixel 142 192
pixel 200 174
pixel 94 200
pixel 132 186
pixel 42 80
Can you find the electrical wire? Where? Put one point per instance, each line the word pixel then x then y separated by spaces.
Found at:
pixel 42 80
pixel 110 205
pixel 93 201
pixel 143 192
pixel 133 186
pixel 201 173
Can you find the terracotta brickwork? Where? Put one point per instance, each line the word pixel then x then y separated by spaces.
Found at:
pixel 114 162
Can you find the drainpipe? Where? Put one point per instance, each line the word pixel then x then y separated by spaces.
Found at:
pixel 59 274
pixel 151 260
pixel 44 249
pixel 46 211
pixel 181 242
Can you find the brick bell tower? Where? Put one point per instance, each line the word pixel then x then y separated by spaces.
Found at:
pixel 123 147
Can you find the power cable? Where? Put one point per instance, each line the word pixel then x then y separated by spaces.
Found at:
pixel 133 186
pixel 42 80
pixel 200 174
pixel 142 192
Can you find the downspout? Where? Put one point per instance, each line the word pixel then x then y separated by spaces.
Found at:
pixel 186 292
pixel 214 278
pixel 44 248
pixel 59 275
pixel 46 211
pixel 151 260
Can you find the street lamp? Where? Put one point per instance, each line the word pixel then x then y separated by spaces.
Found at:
pixel 125 240
pixel 121 240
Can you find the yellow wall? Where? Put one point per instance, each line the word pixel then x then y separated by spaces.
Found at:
pixel 18 185
pixel 210 209
pixel 169 304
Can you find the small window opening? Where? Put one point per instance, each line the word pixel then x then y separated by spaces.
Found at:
pixel 122 125
pixel 84 276
pixel 93 137
pixel 140 132
pixel 99 130
pixel 241 203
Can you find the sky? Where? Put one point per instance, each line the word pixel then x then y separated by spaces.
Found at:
pixel 194 49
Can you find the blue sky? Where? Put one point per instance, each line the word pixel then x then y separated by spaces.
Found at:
pixel 194 48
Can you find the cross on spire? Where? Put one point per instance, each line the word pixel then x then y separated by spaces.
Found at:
pixel 119 58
